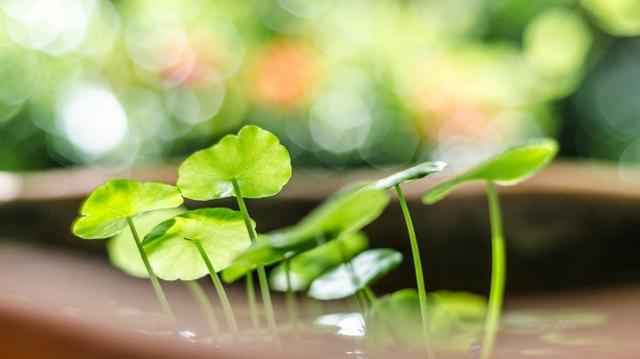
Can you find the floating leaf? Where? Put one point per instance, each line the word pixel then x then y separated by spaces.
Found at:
pixel 309 265
pixel 510 167
pixel 104 213
pixel 348 278
pixel 173 253
pixel 254 158
pixel 409 174
pixel 122 249
pixel 456 320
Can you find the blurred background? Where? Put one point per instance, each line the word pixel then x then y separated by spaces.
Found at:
pixel 344 83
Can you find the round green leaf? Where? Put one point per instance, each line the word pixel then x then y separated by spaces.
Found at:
pixel 508 168
pixel 173 253
pixel 104 213
pixel 122 249
pixel 309 265
pixel 409 174
pixel 254 158
pixel 456 320
pixel 367 267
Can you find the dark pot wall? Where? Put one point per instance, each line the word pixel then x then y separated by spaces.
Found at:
pixel 572 225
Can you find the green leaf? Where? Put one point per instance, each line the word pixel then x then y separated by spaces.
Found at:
pixel 104 213
pixel 456 320
pixel 309 265
pixel 261 252
pixel 122 250
pixel 173 253
pixel 409 174
pixel 254 157
pixel 345 212
pixel 508 168
pixel 367 267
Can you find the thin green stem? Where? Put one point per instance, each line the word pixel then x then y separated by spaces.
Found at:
pixel 253 308
pixel 162 298
pixel 201 298
pixel 292 305
pixel 417 265
pixel 262 275
pixel 369 293
pixel 224 300
pixel 498 274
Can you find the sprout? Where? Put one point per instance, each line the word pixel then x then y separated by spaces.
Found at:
pixel 394 181
pixel 251 164
pixel 110 208
pixel 195 243
pixel 508 168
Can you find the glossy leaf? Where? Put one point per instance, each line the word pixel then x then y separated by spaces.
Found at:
pixel 173 253
pixel 409 174
pixel 122 249
pixel 456 320
pixel 254 157
pixel 508 168
pixel 104 213
pixel 367 267
pixel 309 265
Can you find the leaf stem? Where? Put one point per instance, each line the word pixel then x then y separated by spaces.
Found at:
pixel 162 298
pixel 224 300
pixel 262 275
pixel 498 274
pixel 292 305
pixel 369 293
pixel 201 298
pixel 417 265
pixel 253 308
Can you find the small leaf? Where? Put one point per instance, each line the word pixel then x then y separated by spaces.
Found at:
pixel 173 253
pixel 367 267
pixel 508 168
pixel 122 249
pixel 309 265
pixel 345 212
pixel 261 252
pixel 104 213
pixel 254 157
pixel 456 320
pixel 409 174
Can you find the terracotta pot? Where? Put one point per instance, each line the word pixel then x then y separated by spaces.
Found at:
pixel 573 226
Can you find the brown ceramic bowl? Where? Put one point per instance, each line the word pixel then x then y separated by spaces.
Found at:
pixel 572 248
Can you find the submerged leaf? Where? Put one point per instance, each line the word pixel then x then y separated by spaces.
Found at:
pixel 409 174
pixel 172 249
pixel 348 278
pixel 122 249
pixel 507 168
pixel 254 157
pixel 456 320
pixel 104 213
pixel 309 265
